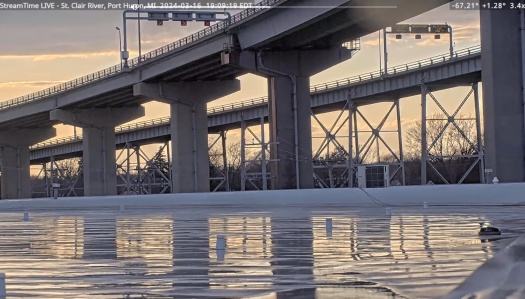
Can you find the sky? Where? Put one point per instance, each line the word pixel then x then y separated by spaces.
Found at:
pixel 40 49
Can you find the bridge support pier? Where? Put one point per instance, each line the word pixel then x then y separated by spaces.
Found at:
pixel 189 127
pixel 290 132
pixel 14 160
pixel 503 48
pixel 98 130
pixel 288 74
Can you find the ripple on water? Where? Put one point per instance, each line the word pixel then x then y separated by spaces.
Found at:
pixel 270 254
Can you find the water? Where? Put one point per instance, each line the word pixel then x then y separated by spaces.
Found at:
pixel 283 252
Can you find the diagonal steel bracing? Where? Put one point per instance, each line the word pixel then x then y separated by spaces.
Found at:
pixel 219 176
pixel 137 173
pixel 255 153
pixel 443 139
pixel 330 159
pixel 67 173
pixel 370 153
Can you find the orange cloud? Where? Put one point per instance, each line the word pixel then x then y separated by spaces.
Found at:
pixel 17 84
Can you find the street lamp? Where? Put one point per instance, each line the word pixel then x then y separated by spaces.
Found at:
pixel 120 45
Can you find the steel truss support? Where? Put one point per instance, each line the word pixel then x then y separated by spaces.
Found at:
pixel 331 158
pixel 369 153
pixel 461 149
pixel 68 173
pixel 139 174
pixel 40 182
pixel 255 168
pixel 219 163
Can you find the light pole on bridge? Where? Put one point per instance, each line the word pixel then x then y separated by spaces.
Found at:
pixel 120 45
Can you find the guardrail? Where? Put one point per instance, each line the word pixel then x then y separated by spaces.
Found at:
pixel 397 69
pixel 56 141
pixel 238 105
pixel 117 69
pixel 143 124
pixel 264 100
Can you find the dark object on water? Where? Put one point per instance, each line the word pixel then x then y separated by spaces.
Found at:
pixel 489 230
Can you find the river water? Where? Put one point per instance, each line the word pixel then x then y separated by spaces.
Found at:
pixel 271 252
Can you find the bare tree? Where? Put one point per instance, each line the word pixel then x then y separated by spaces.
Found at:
pixel 448 144
pixel 233 152
pixel 215 152
pixel 67 170
pixel 449 139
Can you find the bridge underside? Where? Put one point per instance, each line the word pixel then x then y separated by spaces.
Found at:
pixel 332 27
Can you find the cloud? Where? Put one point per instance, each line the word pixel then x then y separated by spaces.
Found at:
pixel 47 57
pixel 62 32
pixel 17 84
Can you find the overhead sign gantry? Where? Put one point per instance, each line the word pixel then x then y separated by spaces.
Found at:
pixel 160 16
pixel 418 30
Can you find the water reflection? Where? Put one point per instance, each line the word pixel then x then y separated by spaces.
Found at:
pixel 292 250
pixel 191 255
pixel 269 254
pixel 144 246
pixel 58 237
pixel 245 266
pixel 100 237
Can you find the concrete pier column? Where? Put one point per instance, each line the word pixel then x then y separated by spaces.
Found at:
pixel 189 127
pixel 283 132
pixel 98 145
pixel 14 160
pixel 98 158
pixel 189 139
pixel 503 98
pixel 288 74
pixel 290 110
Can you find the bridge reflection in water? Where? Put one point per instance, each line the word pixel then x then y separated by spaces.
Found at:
pixel 282 253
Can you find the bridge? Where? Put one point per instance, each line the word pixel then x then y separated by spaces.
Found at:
pixel 191 72
pixel 438 72
pixel 202 67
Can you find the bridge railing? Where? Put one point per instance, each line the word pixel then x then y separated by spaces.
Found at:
pixel 143 124
pixel 264 100
pixel 238 105
pixel 56 141
pixel 397 69
pixel 116 69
